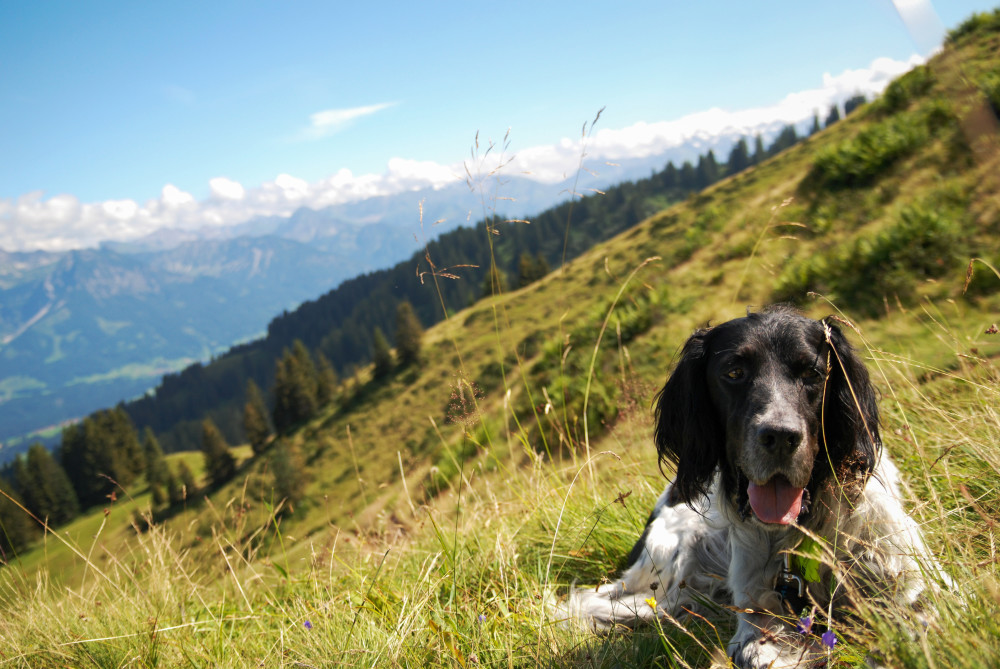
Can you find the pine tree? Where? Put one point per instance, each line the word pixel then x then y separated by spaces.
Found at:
pixel 295 388
pixel 787 138
pixel 45 487
pixel 707 171
pixel 739 157
pixel 815 126
pixel 99 452
pixel 255 425
pixel 669 177
pixel 381 355
pixel 853 102
pixel 188 484
pixel 759 154
pixel 833 116
pixel 219 463
pixel 409 333
pixel 158 496
pixel 156 465
pixel 289 471
pixel 17 529
pixel 176 491
pixel 495 281
pixel 326 380
pixel 687 178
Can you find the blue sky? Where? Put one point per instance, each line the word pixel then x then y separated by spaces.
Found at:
pixel 130 102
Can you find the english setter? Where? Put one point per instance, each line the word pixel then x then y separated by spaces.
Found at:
pixel 782 501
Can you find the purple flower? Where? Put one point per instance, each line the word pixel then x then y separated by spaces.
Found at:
pixel 482 618
pixel 829 638
pixel 805 625
pixel 308 625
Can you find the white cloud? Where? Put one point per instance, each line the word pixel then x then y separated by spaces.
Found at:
pixel 173 197
pixel 329 121
pixel 226 189
pixel 62 222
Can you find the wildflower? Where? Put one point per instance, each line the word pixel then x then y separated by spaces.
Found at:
pixel 652 602
pixel 805 625
pixel 308 625
pixel 829 639
pixel 482 618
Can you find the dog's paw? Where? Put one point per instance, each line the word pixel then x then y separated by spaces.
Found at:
pixel 767 642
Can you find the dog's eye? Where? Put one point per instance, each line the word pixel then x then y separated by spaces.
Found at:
pixel 809 374
pixel 735 374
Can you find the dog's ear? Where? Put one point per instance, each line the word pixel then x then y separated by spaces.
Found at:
pixel 688 434
pixel 850 411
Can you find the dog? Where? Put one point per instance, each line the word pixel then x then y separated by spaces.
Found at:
pixel 783 503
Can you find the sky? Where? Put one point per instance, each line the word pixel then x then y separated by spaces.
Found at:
pixel 118 118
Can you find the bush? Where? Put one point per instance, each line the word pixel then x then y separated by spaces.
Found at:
pixel 922 243
pixel 861 160
pixel 901 92
pixel 986 22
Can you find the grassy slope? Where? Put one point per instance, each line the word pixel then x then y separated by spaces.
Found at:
pixel 386 573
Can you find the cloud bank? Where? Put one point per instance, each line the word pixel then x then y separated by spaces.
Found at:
pixel 62 222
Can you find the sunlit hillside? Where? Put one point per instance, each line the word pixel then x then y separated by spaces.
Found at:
pixel 433 514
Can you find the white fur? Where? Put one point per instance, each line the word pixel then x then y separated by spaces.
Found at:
pixel 710 554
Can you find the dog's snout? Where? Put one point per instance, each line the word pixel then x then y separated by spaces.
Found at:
pixel 779 439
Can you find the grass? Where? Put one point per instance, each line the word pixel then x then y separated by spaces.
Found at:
pixel 451 503
pixel 468 584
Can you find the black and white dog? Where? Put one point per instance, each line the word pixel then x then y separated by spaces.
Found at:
pixel 782 501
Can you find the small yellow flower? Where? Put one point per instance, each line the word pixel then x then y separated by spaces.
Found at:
pixel 652 602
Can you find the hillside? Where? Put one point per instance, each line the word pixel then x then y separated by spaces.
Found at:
pixel 443 503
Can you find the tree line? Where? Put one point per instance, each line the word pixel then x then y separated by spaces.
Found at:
pixel 104 453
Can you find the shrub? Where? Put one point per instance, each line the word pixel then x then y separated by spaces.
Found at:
pixel 922 243
pixel 860 160
pixel 901 92
pixel 986 22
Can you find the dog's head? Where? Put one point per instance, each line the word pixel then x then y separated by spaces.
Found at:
pixel 777 403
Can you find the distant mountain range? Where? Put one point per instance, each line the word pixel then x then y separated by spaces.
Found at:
pixel 86 329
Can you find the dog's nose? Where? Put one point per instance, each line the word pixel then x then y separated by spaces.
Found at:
pixel 778 438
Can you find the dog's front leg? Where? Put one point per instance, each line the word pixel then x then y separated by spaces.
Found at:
pixel 762 638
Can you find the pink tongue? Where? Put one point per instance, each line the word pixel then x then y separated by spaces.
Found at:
pixel 777 501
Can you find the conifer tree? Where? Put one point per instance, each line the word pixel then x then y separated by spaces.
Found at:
pixel 255 425
pixel 156 465
pixel 381 354
pixel 708 170
pixel 409 334
pixel 99 452
pixel 289 471
pixel 174 488
pixel 815 126
pixel 326 380
pixel 833 116
pixel 739 157
pixel 45 487
pixel 759 154
pixel 495 281
pixel 687 178
pixel 295 388
pixel 17 529
pixel 219 463
pixel 853 102
pixel 188 485
pixel 158 496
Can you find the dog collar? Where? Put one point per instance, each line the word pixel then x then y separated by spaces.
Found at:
pixel 791 583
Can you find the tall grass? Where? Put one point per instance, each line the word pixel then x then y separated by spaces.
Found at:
pixel 472 583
